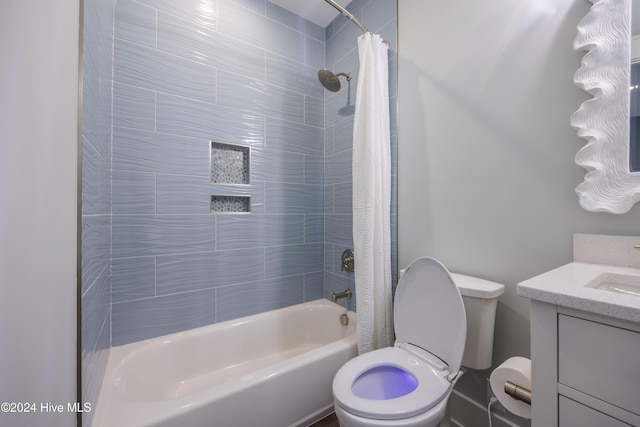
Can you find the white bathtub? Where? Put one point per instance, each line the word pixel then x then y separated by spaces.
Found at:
pixel 272 369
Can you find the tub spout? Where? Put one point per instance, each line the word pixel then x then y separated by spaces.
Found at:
pixel 346 294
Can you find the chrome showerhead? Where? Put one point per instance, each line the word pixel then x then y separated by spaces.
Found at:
pixel 330 80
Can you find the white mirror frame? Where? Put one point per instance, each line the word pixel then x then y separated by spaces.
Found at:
pixel 603 120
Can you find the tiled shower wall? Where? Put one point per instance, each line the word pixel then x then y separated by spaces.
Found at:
pixel 236 72
pixel 96 195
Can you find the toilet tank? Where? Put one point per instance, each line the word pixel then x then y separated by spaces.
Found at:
pixel 480 299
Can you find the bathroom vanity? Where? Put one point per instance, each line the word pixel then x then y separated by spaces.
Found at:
pixel 585 338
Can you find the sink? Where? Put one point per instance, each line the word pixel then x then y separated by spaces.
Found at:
pixel 614 282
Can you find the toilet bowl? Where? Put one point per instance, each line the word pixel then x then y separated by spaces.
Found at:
pixel 409 384
pixel 393 386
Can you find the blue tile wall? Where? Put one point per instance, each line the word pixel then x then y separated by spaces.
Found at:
pixel 141 318
pixel 204 120
pixel 236 72
pixel 183 74
pixel 96 196
pixel 249 298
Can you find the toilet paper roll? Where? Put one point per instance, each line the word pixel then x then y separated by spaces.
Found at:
pixel 518 371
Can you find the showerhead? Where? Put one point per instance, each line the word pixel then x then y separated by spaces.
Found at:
pixel 330 80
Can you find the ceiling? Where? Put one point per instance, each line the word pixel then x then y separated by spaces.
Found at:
pixel 317 11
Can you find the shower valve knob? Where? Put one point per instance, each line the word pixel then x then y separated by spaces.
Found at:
pixel 348 261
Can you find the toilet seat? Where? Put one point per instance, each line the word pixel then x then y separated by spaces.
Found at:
pixel 431 385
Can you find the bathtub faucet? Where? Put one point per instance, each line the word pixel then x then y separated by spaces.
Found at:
pixel 346 294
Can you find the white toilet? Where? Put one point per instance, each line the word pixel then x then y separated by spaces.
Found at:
pixel 409 384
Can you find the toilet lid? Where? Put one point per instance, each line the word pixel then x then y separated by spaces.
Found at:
pixel 428 312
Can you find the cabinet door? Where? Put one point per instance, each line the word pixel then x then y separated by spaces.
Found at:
pixel 573 414
pixel 600 360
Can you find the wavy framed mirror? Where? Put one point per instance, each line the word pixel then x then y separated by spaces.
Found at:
pixel 605 121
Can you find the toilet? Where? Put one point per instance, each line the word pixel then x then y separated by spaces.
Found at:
pixel 409 384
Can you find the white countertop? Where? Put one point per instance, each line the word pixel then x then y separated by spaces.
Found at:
pixel 564 286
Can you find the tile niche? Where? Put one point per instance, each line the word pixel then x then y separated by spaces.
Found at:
pixel 230 165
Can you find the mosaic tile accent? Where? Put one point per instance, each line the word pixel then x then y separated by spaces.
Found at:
pixel 229 163
pixel 230 204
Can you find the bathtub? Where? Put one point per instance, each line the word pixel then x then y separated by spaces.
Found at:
pixel 273 369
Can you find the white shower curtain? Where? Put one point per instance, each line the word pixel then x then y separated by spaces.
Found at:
pixel 372 196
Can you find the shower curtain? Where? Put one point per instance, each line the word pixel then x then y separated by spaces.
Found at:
pixel 372 196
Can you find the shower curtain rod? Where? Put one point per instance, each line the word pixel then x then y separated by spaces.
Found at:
pixel 348 15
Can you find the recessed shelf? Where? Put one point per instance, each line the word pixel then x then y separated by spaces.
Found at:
pixel 230 204
pixel 229 164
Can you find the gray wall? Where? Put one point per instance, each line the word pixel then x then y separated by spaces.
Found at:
pixel 486 152
pixel 38 175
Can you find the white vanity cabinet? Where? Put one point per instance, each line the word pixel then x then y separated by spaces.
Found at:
pixel 585 336
pixel 585 368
